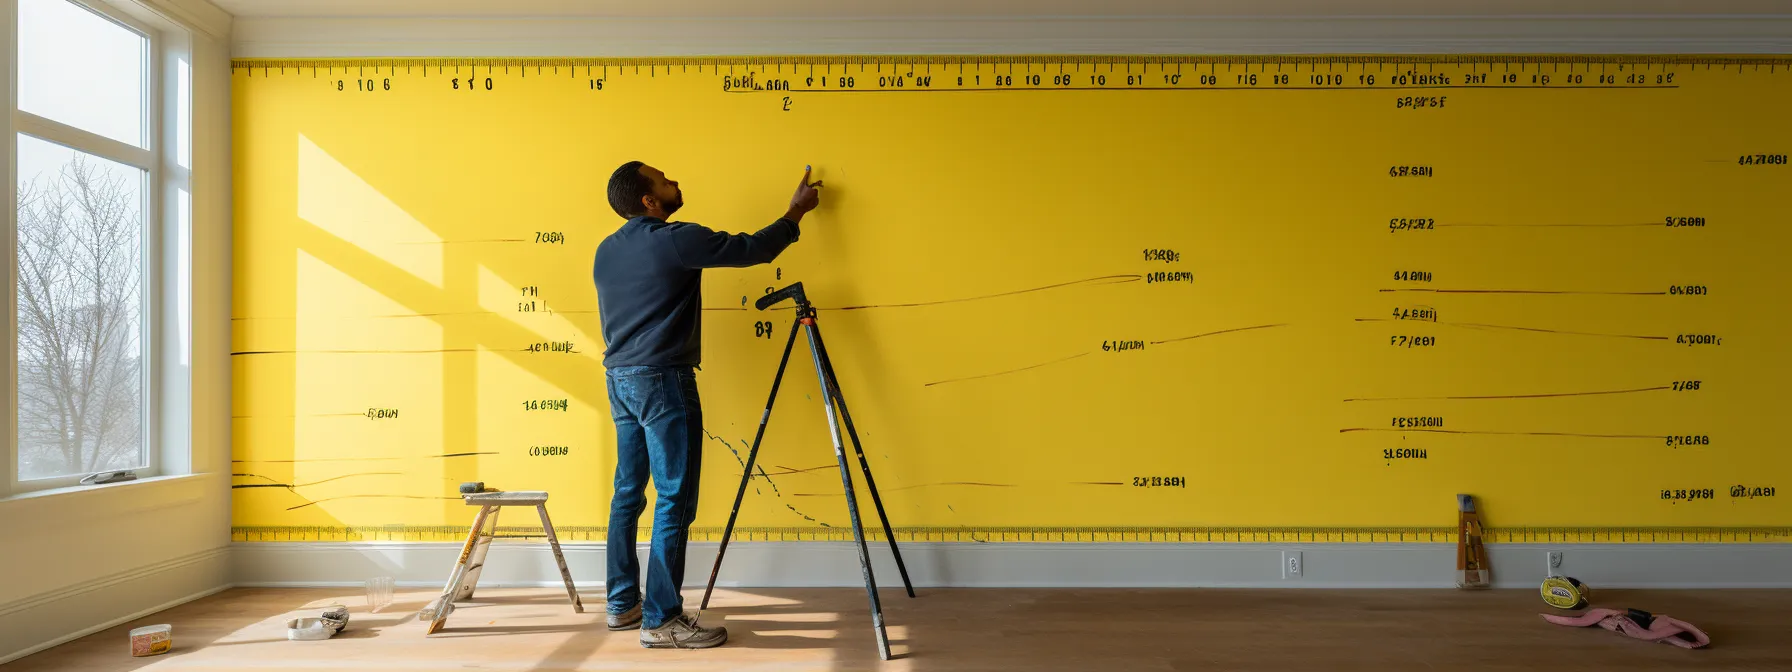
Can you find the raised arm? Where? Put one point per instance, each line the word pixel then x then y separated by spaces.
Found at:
pixel 699 247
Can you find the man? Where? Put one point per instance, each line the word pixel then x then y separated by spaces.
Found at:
pixel 649 277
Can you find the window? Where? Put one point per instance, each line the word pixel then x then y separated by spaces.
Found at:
pixel 83 69
pixel 100 207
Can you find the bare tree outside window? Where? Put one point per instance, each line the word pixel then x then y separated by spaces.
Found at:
pixel 80 336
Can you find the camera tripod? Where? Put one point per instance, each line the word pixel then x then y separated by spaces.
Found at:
pixel 824 369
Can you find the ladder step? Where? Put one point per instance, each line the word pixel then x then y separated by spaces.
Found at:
pixel 519 498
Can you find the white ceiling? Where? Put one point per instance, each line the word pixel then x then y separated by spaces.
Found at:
pixel 834 9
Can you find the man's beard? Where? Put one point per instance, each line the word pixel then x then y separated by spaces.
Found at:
pixel 673 205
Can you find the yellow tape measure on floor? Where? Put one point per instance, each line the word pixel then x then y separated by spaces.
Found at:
pixel 1565 592
pixel 1071 298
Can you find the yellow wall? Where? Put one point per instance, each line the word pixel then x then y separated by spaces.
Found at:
pixel 981 246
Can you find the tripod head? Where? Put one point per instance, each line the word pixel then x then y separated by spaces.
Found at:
pixel 794 291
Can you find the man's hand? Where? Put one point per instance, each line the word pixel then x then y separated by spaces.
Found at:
pixel 808 195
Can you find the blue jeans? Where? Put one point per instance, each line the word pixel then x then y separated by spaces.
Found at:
pixel 659 432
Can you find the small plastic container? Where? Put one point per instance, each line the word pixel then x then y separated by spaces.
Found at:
pixel 152 640
pixel 379 593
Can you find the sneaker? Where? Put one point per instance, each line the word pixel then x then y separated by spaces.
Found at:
pixel 624 620
pixel 682 632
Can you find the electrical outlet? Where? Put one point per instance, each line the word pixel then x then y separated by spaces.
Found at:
pixel 1291 564
pixel 1555 559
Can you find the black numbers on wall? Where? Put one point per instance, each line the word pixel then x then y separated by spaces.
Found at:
pixel 365 85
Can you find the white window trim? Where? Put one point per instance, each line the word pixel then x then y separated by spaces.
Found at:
pixel 165 327
pixel 86 141
pixel 9 262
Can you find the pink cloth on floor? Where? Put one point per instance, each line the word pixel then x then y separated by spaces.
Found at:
pixel 1660 628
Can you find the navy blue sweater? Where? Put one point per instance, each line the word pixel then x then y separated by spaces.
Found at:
pixel 649 276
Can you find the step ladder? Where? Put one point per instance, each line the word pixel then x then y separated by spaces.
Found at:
pixel 465 576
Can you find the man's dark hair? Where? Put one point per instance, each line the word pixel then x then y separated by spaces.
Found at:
pixel 627 186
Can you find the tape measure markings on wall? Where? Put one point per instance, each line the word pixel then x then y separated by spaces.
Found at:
pixel 1426 535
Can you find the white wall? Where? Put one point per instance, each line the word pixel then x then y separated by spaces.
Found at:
pixel 79 561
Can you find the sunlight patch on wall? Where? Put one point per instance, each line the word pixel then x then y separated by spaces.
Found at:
pixel 367 431
pixel 340 202
pixel 531 307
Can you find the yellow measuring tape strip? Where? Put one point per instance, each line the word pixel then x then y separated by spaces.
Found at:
pixel 916 74
pixel 924 60
pixel 1428 535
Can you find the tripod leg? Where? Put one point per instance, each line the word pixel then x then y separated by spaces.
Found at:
pixel 852 506
pixel 752 455
pixel 864 464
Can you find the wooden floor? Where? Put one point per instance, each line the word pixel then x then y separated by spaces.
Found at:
pixel 963 629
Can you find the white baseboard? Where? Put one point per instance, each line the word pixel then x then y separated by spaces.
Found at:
pixel 48 619
pixel 991 565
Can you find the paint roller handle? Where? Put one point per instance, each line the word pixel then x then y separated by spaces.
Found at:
pixel 806 198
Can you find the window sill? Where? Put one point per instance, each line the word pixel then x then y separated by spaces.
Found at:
pixel 165 490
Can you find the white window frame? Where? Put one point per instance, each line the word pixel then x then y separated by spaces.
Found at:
pixel 165 297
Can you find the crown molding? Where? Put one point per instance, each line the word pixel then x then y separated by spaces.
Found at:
pixel 592 37
pixel 199 15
